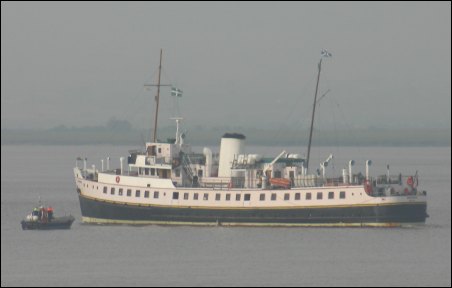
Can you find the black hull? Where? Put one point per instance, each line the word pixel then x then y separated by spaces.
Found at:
pixel 57 223
pixel 96 211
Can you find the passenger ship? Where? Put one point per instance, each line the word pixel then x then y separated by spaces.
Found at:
pixel 169 184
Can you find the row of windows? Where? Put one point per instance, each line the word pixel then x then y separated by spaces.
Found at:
pixel 308 196
pixel 205 196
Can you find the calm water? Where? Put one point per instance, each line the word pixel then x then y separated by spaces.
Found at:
pixel 187 256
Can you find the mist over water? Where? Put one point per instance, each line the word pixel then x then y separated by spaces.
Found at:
pixel 97 255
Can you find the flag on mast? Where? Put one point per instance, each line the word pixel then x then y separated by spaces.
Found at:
pixel 176 92
pixel 325 53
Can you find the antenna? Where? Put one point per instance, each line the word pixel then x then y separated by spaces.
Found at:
pixel 178 136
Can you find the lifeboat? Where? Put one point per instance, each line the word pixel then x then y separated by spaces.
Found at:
pixel 280 182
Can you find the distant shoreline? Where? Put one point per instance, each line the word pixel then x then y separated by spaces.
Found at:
pixel 211 136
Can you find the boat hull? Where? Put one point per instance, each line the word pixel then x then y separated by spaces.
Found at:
pixel 105 212
pixel 64 222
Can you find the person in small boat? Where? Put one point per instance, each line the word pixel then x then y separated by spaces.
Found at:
pixel 50 213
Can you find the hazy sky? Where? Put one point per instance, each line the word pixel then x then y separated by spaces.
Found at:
pixel 239 64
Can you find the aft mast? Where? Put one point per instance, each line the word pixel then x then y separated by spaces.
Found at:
pixel 324 53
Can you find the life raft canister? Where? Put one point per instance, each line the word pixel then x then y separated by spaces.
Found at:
pixel 118 179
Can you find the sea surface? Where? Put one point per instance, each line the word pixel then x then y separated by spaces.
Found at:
pixel 95 255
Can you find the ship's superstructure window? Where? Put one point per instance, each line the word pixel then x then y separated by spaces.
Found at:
pixel 146 194
pixel 177 172
pixel 273 197
pixel 175 195
pixel 262 197
pixel 319 195
pixel 342 195
pixel 238 197
pixel 195 196
pixel 137 193
pixel 156 194
pixel 297 196
pixel 330 195
pixel 308 196
pixel 286 197
pixel 185 196
pixel 217 197
pixel 112 191
pixel 206 196
pixel 120 191
pixel 129 192
pixel 105 189
pixel 152 171
pixel 247 197
pixel 228 197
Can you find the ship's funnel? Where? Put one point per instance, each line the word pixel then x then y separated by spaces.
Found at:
pixel 231 146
